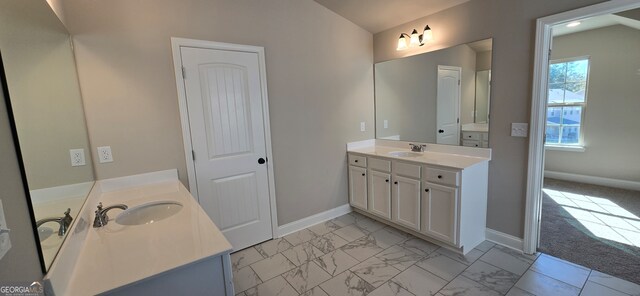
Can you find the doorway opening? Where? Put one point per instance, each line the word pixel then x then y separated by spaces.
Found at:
pixel 583 195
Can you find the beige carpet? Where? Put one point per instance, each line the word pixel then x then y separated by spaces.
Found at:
pixel 594 226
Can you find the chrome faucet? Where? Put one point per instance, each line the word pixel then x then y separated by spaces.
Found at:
pixel 418 147
pixel 64 222
pixel 101 214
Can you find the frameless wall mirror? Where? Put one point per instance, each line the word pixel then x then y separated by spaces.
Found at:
pixel 43 91
pixel 438 97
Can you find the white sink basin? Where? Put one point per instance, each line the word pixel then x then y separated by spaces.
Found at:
pixel 149 213
pixel 405 154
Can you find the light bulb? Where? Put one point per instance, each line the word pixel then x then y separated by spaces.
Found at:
pixel 415 39
pixel 402 43
pixel 573 24
pixel 427 35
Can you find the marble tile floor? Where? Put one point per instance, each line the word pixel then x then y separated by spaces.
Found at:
pixel 353 255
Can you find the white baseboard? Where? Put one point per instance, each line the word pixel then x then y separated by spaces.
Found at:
pixel 313 220
pixel 615 183
pixel 504 239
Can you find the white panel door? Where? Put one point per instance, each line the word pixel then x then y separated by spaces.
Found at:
pixel 224 101
pixel 406 202
pixel 448 105
pixel 358 187
pixel 440 212
pixel 380 194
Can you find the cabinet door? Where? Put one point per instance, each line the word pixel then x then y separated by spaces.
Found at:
pixel 440 212
pixel 358 187
pixel 406 202
pixel 380 194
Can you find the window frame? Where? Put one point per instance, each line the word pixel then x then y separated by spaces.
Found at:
pixel 578 147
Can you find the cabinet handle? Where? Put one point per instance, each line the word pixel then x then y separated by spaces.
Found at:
pixel 396 182
pixel 439 176
pixel 363 174
pixel 426 190
pixel 386 181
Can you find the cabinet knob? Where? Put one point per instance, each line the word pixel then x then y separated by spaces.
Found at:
pixel 386 181
pixel 396 182
pixel 356 160
pixel 426 190
pixel 439 176
pixel 363 174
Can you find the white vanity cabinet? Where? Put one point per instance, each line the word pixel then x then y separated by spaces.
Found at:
pixel 475 139
pixel 358 181
pixel 379 194
pixel 435 202
pixel 406 195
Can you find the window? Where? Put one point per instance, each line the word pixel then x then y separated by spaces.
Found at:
pixel 566 101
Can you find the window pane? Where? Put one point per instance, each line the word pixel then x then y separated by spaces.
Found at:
pixel 552 134
pixel 554 115
pixel 574 92
pixel 577 71
pixel 557 73
pixel 556 93
pixel 572 115
pixel 570 135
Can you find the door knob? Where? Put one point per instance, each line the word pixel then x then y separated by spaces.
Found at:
pixel 261 160
pixel 426 190
pixel 440 131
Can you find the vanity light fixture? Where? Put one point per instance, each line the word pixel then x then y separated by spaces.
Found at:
pixel 415 40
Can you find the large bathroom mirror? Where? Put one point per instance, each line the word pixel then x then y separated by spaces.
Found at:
pixel 40 75
pixel 438 97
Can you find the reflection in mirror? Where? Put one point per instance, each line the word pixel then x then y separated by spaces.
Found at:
pixel 438 97
pixel 41 77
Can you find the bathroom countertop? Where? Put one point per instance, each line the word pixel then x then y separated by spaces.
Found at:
pixel 451 160
pixel 117 255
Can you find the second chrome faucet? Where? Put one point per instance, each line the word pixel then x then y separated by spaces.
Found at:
pixel 101 218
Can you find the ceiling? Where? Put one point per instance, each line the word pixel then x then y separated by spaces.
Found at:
pixel 378 15
pixel 629 18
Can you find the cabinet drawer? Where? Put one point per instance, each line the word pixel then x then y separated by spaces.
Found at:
pixel 406 169
pixel 358 160
pixel 471 143
pixel 441 176
pixel 471 136
pixel 380 164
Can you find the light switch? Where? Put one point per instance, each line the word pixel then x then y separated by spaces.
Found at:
pixel 386 123
pixel 519 130
pixel 363 126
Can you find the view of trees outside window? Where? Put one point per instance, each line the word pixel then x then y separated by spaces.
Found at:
pixel 566 101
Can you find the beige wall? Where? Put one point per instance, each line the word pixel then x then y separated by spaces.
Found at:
pixel 406 93
pixel 319 75
pixel 483 61
pixel 21 262
pixel 611 121
pixel 512 25
pixel 45 95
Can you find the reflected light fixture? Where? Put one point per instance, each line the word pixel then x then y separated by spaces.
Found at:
pixel 415 40
pixel 573 24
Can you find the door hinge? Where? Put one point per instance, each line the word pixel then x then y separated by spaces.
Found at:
pixel 458 81
pixel 193 155
pixel 458 121
pixel 184 72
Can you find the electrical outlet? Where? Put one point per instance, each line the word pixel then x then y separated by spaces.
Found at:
pixel 5 242
pixel 363 126
pixel 386 123
pixel 104 154
pixel 77 157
